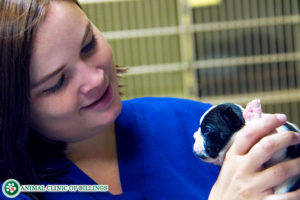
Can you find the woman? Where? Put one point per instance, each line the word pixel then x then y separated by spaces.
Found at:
pixel 60 117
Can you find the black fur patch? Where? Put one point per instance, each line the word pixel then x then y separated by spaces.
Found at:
pixel 292 151
pixel 219 125
pixel 290 127
pixel 296 186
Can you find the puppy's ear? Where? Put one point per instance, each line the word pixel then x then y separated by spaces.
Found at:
pixel 233 118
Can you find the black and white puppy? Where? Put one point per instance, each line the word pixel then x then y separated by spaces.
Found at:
pixel 218 128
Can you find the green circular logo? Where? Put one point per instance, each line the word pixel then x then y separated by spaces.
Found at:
pixel 11 188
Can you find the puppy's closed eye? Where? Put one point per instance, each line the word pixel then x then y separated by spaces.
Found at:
pixel 206 130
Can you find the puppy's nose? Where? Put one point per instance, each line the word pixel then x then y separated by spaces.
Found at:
pixel 195 134
pixel 202 156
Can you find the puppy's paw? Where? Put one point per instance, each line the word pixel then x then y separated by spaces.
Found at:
pixel 252 110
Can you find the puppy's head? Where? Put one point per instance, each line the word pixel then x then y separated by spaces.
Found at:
pixel 217 129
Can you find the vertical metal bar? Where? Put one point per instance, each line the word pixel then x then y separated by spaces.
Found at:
pixel 264 45
pixel 169 79
pixel 119 52
pixel 173 12
pixel 186 42
pixel 289 78
pixel 256 47
pixel 134 53
pixel 119 43
pixel 158 47
pixel 149 79
pixel 249 47
pixel 200 45
pixel 135 50
pixel 153 60
pixel 116 17
pixel 281 44
pixel 208 43
pixel 92 13
pixel 108 16
pixel 272 35
pixel 115 43
pixel 138 53
pixel 145 58
pixel 174 42
pixel 166 47
pixel 241 10
pixel 226 71
pixel 139 10
pixel 147 10
pixel 296 41
pixel 199 39
pixel 217 51
pixel 127 60
pixel 101 17
pixel 297 107
pixel 154 77
pixel 235 83
pixel 124 16
pixel 132 18
pixel 240 45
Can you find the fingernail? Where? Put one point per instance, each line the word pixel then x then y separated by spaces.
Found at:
pixel 297 135
pixel 281 117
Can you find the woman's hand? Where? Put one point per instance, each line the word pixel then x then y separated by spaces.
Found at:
pixel 243 176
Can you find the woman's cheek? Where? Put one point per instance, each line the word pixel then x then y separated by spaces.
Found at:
pixel 56 106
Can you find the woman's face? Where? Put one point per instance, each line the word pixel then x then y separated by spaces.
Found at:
pixel 74 89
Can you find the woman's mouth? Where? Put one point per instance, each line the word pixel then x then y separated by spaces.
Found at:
pixel 100 103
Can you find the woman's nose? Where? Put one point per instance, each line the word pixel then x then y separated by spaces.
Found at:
pixel 92 80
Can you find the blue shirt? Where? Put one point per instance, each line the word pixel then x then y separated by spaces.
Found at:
pixel 156 161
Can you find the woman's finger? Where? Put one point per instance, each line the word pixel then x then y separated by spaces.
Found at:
pixel 262 151
pixel 255 130
pixel 278 173
pixel 286 196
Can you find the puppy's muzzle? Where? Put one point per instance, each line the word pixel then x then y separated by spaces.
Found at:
pixel 202 156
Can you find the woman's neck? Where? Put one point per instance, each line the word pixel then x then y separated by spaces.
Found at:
pixel 101 147
pixel 97 157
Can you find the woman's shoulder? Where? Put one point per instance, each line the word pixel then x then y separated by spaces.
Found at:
pixel 162 113
pixel 170 104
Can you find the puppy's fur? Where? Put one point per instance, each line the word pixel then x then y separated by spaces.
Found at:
pixel 218 128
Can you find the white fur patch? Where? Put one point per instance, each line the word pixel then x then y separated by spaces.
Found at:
pixel 202 117
pixel 199 143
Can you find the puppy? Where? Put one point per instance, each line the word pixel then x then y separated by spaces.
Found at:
pixel 217 131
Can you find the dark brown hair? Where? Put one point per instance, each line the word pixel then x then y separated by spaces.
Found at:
pixel 20 146
pixel 18 22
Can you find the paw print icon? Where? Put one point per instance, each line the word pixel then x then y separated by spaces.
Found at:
pixel 11 188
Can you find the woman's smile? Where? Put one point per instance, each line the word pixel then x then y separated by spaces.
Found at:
pixel 104 99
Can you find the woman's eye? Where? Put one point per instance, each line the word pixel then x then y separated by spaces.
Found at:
pixel 88 49
pixel 57 86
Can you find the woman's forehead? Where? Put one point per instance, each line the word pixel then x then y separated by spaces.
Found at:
pixel 62 17
pixel 57 36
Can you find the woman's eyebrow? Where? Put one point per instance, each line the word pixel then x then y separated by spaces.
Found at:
pixel 48 76
pixel 52 74
pixel 86 33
